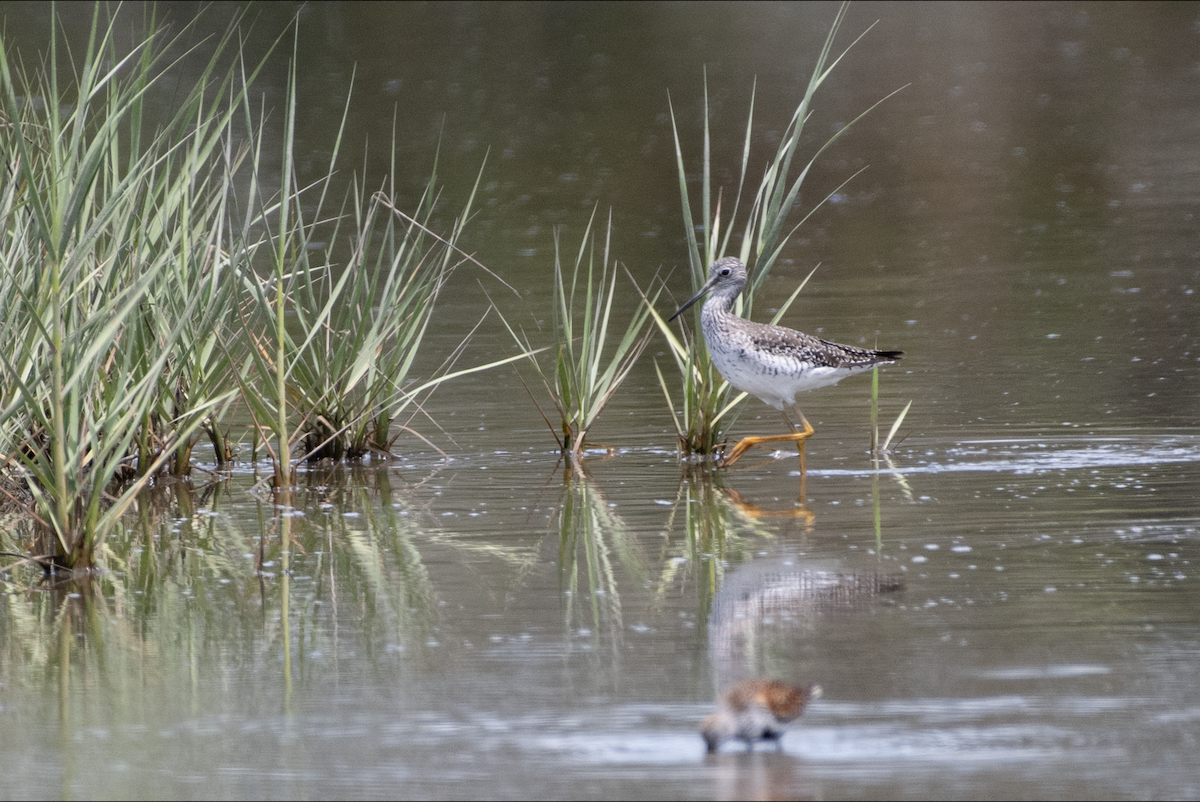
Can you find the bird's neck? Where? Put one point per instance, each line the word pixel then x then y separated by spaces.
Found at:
pixel 720 305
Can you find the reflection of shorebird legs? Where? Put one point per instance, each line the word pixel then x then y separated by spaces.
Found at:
pixel 797 437
pixel 752 510
pixel 803 475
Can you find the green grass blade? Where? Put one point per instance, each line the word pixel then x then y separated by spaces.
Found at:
pixel 896 426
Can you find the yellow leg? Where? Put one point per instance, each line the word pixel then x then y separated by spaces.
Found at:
pixel 746 443
pixel 803 473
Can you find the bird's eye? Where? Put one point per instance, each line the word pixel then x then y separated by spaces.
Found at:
pixel 725 271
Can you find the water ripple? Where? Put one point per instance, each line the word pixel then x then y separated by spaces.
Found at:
pixel 1028 455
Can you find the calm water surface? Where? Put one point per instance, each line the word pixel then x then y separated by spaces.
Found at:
pixel 1006 608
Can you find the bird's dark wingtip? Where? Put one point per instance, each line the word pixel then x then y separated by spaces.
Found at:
pixel 893 355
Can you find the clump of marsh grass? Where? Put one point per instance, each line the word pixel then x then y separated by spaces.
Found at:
pixel 333 348
pixel 150 281
pixel 703 396
pixel 97 217
pixel 588 369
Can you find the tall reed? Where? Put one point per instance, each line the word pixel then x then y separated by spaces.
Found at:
pixel 588 368
pixel 332 349
pixel 98 217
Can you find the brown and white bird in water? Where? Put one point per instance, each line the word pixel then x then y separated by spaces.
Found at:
pixel 770 362
pixel 756 710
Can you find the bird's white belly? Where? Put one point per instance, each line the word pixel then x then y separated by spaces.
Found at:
pixel 775 380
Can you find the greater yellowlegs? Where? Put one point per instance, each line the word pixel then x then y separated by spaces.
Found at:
pixel 770 362
pixel 756 710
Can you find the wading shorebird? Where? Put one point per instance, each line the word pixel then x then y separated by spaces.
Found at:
pixel 772 363
pixel 756 710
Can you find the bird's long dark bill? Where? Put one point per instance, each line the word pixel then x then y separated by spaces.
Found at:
pixel 703 291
